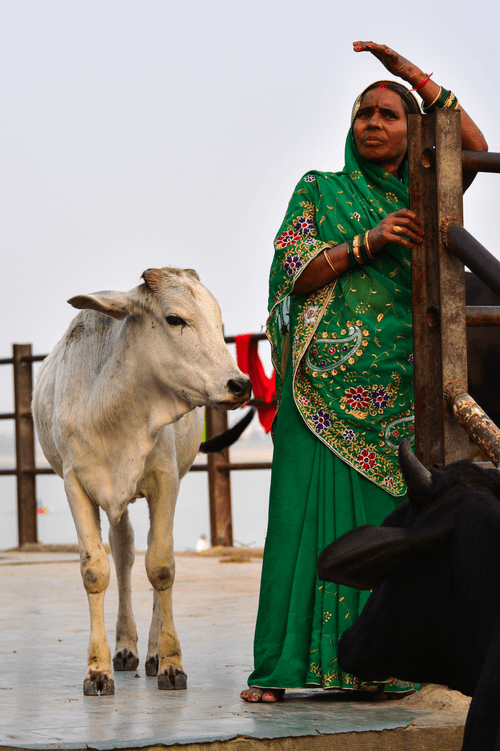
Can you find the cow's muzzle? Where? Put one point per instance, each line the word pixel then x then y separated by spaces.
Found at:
pixel 241 388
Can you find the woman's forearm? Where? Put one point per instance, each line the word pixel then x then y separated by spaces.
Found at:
pixel 472 138
pixel 319 272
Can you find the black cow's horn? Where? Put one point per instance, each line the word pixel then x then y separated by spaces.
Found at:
pixel 417 477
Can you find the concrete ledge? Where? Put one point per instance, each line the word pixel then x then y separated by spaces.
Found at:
pixel 401 739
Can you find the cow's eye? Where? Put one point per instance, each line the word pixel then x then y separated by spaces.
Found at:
pixel 175 321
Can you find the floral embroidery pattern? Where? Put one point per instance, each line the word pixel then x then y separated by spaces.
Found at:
pixel 357 398
pixel 304 225
pixel 348 434
pixel 292 264
pixel 380 398
pixel 289 237
pixel 367 459
pixel 322 420
pixel 388 482
pixel 311 314
pixel 411 359
pixel 310 178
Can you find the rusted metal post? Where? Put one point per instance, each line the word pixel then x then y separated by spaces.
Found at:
pixel 438 285
pixel 25 445
pixel 475 421
pixel 219 483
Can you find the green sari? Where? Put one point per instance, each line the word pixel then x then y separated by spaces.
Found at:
pixel 343 359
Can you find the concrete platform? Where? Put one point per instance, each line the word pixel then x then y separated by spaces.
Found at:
pixel 44 636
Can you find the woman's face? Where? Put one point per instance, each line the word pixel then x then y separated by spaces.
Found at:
pixel 380 129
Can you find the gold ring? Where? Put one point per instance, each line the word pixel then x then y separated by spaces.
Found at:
pixel 397 229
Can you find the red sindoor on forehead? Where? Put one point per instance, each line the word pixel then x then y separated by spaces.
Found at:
pixel 383 85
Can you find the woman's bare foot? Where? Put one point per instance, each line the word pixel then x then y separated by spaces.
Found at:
pixel 268 695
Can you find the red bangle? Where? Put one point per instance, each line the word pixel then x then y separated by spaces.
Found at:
pixel 416 88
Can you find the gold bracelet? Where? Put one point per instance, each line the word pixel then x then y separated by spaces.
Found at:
pixel 330 263
pixel 449 100
pixel 357 250
pixel 427 106
pixel 367 246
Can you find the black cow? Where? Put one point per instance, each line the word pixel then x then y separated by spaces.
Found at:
pixel 434 567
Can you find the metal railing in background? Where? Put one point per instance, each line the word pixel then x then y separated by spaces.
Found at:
pixel 218 466
pixel 445 414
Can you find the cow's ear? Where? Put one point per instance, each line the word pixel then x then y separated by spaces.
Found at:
pixel 114 304
pixel 365 556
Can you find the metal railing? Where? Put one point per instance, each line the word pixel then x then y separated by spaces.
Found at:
pixel 443 409
pixel 218 466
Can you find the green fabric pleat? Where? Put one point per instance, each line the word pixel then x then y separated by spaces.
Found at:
pixel 315 498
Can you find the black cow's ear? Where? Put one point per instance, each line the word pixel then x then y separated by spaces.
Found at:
pixel 365 556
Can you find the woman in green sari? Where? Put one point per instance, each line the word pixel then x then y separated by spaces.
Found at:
pixel 341 334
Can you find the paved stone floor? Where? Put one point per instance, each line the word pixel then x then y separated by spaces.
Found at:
pixel 44 636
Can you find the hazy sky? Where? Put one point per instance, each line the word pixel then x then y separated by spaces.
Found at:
pixel 142 133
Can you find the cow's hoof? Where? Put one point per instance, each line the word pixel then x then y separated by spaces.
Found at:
pixel 98 682
pixel 152 665
pixel 125 660
pixel 173 678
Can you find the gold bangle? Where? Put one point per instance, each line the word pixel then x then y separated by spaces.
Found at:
pixel 330 263
pixel 367 246
pixel 427 106
pixel 449 100
pixel 357 250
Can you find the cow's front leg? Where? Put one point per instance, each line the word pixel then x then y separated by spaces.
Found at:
pixel 94 567
pixel 121 539
pixel 164 649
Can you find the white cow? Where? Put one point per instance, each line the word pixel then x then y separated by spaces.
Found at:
pixel 115 407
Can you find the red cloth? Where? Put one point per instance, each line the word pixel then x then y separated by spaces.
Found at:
pixel 249 362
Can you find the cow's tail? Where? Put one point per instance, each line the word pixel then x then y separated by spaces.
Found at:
pixel 222 441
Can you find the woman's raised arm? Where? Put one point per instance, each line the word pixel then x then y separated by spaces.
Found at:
pixel 429 91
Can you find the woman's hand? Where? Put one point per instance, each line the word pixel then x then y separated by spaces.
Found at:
pixel 395 63
pixel 402 227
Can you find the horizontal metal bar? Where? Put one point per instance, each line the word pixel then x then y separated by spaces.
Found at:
pixel 261 403
pixel 254 338
pixel 33 358
pixel 472 254
pixel 229 466
pixel 198 468
pixel 481 161
pixel 35 471
pixel 479 315
pixel 223 467
pixel 39 471
pixel 8 416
